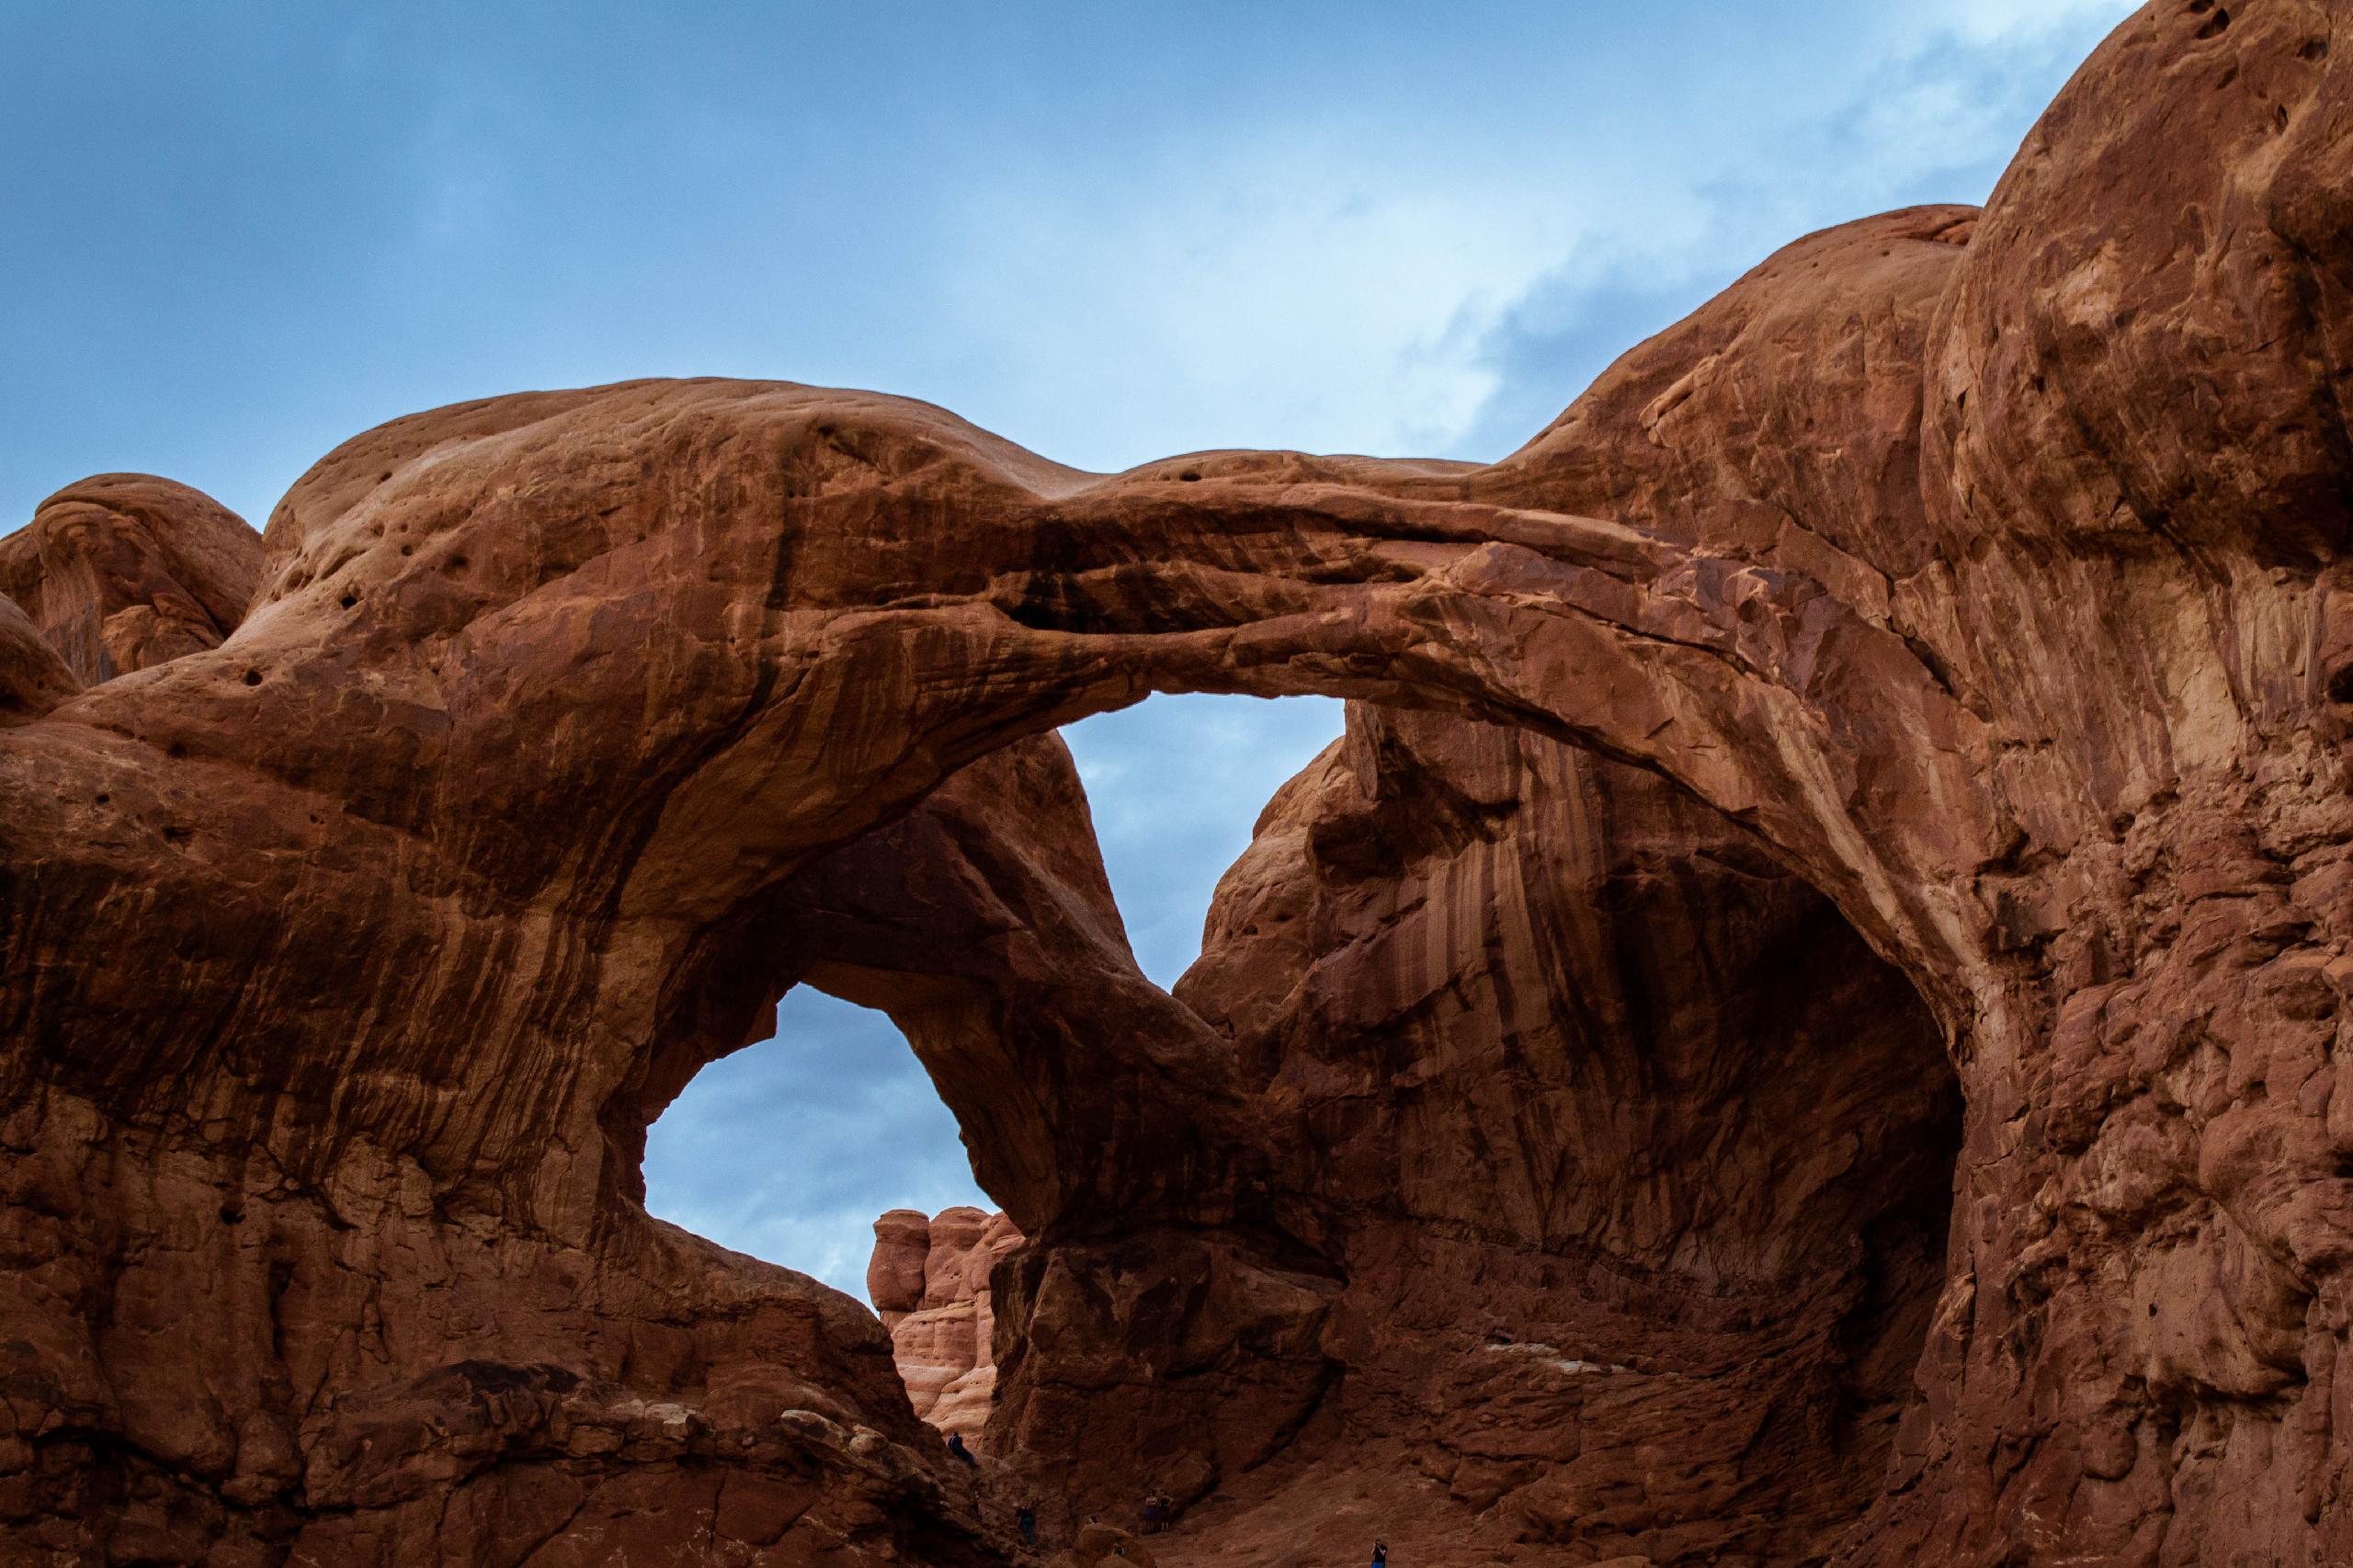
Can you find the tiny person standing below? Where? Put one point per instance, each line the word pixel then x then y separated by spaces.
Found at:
pixel 1380 1554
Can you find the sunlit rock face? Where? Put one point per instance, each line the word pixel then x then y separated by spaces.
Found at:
pixel 1885 1112
pixel 929 1282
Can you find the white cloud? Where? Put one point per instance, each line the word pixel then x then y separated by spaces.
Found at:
pixel 1991 22
pixel 1336 284
pixel 1297 298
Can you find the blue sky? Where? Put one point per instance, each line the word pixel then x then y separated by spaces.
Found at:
pixel 233 236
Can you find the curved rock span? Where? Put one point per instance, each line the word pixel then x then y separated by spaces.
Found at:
pixel 1800 1024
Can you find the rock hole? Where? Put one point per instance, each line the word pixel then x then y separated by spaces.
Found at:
pixel 2314 49
pixel 789 1149
pixel 841 1122
pixel 349 600
pixel 1782 1101
pixel 827 1149
pixel 1175 786
pixel 253 677
pixel 2219 21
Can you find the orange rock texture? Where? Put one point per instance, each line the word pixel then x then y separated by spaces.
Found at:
pixel 929 1283
pixel 1800 1024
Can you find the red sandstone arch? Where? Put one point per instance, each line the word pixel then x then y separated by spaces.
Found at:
pixel 1988 572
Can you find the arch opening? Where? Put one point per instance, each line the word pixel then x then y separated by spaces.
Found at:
pixel 790 1148
pixel 1176 785
pixel 826 1148
pixel 869 1180
pixel 1601 1135
pixel 1474 1006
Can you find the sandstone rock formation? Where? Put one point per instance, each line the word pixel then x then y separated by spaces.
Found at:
pixel 929 1283
pixel 1096 1543
pixel 126 569
pixel 1803 1024
pixel 1627 1144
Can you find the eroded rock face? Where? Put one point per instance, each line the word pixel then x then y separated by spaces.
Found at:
pixel 929 1281
pixel 1621 1139
pixel 122 570
pixel 1543 1163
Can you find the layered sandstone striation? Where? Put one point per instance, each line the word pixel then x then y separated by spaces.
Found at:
pixel 929 1283
pixel 1626 1142
pixel 1801 1024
